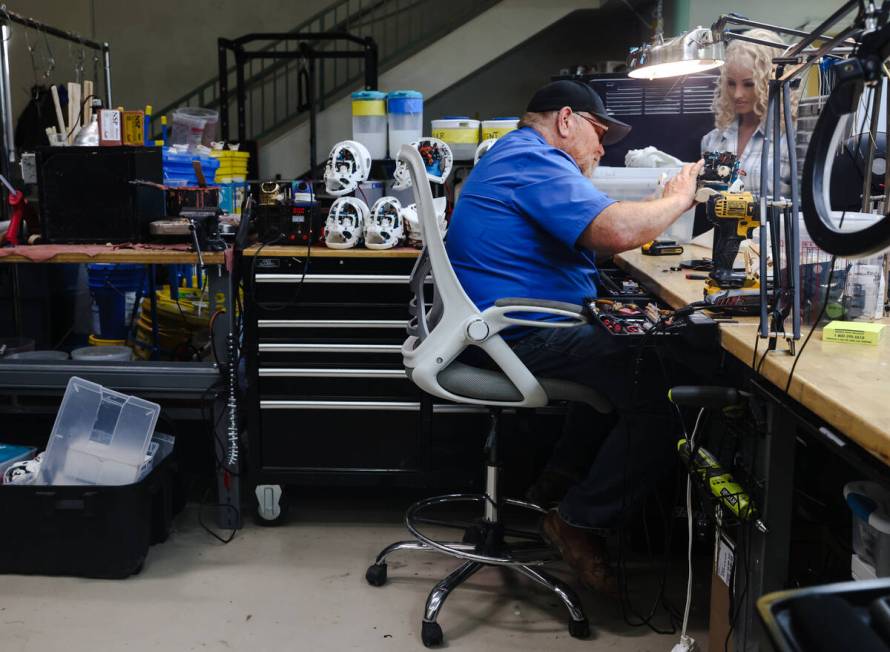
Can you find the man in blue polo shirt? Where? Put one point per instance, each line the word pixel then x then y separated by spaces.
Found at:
pixel 529 223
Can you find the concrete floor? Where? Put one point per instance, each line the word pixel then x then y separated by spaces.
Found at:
pixel 301 586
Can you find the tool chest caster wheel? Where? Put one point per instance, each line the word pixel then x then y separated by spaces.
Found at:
pixel 271 504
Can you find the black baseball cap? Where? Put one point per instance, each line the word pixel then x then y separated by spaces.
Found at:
pixel 578 96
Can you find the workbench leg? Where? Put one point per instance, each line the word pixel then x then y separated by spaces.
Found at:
pixel 768 568
pixel 228 480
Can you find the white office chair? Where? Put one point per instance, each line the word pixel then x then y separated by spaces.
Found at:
pixel 438 333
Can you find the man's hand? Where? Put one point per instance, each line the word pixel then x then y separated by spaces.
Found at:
pixel 683 185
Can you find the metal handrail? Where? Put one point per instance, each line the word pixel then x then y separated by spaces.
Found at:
pixel 400 28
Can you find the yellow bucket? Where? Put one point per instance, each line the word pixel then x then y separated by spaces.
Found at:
pixel 92 340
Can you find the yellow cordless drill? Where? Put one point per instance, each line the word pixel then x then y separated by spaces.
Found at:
pixel 734 215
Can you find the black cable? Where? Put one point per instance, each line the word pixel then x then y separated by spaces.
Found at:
pixel 818 317
pixel 813 327
pixel 204 504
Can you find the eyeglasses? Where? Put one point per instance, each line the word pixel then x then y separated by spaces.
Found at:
pixel 597 127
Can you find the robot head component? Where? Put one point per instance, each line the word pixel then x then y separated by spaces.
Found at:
pixel 348 165
pixel 345 223
pixel 385 228
pixel 484 146
pixel 437 159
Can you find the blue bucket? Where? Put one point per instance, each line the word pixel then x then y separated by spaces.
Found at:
pixel 114 288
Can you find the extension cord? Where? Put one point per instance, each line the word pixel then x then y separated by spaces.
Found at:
pixel 686 644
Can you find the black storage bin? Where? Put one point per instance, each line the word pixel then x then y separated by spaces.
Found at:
pixel 86 194
pixel 86 530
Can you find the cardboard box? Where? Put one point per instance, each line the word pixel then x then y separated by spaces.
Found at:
pixel 853 331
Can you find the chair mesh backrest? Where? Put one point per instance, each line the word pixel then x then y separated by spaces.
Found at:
pixel 433 260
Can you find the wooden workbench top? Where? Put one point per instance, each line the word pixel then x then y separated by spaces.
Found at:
pixel 847 385
pixel 320 251
pixel 106 254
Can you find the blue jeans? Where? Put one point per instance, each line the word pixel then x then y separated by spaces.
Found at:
pixel 618 466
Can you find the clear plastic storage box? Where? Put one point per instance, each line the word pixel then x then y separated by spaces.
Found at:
pixel 870 504
pixel 636 184
pixel 99 437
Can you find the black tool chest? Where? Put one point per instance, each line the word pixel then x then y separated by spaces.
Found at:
pixel 328 399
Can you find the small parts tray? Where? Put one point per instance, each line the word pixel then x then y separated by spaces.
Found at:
pixel 627 318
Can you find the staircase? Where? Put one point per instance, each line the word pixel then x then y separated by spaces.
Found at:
pixel 399 27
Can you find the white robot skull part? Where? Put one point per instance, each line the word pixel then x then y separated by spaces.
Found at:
pixel 385 228
pixel 348 165
pixel 437 159
pixel 484 146
pixel 345 223
pixel 412 221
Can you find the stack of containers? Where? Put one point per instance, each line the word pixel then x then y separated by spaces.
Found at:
pixel 369 121
pixel 497 127
pixel 405 119
pixel 178 169
pixel 230 177
pixel 460 132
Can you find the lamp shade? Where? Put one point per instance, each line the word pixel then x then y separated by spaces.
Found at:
pixel 695 51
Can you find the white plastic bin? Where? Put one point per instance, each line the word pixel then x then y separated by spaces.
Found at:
pixel 369 121
pixel 635 184
pixel 497 127
pixel 460 132
pixel 404 114
pixel 870 504
pixel 99 437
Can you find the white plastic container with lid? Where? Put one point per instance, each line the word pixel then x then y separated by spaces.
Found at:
pixel 497 127
pixel 870 504
pixel 193 126
pixel 404 114
pixel 99 437
pixel 460 132
pixel 369 121
pixel 636 184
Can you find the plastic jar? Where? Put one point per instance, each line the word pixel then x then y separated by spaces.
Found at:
pixel 193 126
pixel 405 118
pixel 497 127
pixel 460 132
pixel 369 121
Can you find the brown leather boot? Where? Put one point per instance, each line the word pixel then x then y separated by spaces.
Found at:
pixel 584 551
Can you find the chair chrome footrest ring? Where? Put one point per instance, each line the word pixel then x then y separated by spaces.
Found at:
pixel 536 553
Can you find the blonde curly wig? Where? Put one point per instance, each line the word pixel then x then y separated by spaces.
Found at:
pixel 761 56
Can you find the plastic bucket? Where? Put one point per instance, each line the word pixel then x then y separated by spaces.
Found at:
pixel 369 121
pixel 461 133
pixel 193 126
pixel 114 288
pixel 405 119
pixel 103 353
pixel 497 127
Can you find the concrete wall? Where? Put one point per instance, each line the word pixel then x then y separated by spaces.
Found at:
pixel 504 87
pixel 488 67
pixel 160 50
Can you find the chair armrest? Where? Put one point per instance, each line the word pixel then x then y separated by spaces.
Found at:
pixel 498 317
pixel 539 303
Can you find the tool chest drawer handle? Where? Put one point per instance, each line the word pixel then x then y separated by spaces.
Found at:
pixel 402 406
pixel 330 373
pixel 330 348
pixel 332 323
pixel 365 279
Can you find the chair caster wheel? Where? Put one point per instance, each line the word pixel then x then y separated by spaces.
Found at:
pixel 431 634
pixel 376 574
pixel 579 628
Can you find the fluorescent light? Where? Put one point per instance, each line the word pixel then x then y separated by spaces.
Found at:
pixel 688 53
